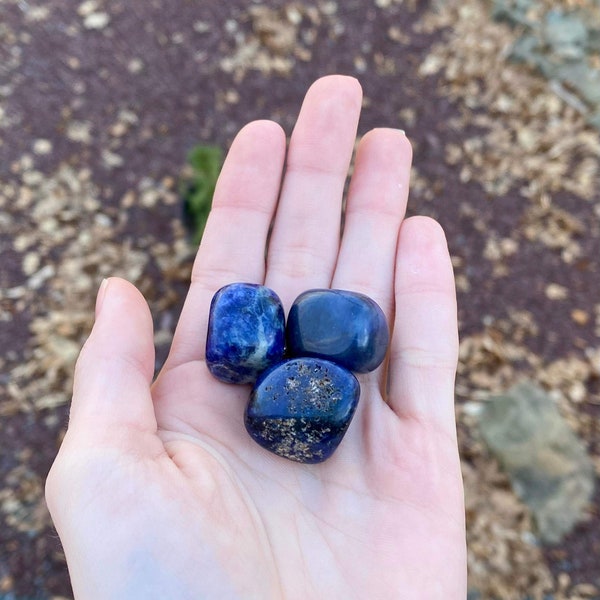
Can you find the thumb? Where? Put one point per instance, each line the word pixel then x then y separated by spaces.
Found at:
pixel 114 370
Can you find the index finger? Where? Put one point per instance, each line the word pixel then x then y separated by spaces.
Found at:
pixel 233 245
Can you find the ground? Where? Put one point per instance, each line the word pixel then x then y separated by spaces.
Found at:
pixel 99 104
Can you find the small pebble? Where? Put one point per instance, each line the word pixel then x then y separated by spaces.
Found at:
pixel 96 20
pixel 246 332
pixel 345 327
pixel 301 409
pixel 42 146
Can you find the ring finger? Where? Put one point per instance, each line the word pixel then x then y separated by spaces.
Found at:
pixel 376 206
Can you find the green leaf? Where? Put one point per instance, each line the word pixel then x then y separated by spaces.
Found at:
pixel 198 190
pixel 206 160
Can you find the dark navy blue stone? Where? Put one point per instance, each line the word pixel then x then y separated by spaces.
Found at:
pixel 345 327
pixel 246 332
pixel 301 408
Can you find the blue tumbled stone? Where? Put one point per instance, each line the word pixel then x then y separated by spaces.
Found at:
pixel 246 332
pixel 345 327
pixel 301 408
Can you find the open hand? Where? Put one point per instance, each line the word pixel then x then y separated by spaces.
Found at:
pixel 159 492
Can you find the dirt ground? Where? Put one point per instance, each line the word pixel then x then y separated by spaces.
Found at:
pixel 99 104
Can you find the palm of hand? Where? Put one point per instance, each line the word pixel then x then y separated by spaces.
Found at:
pixel 170 498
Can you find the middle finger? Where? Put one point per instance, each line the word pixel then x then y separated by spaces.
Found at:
pixel 306 232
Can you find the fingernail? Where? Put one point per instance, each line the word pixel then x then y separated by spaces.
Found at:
pixel 100 296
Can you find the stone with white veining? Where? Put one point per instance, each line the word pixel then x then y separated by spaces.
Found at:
pixel 246 332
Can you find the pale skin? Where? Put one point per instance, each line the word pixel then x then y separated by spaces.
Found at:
pixel 158 491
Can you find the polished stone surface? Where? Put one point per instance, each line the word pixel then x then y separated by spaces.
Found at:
pixel 246 332
pixel 345 327
pixel 301 408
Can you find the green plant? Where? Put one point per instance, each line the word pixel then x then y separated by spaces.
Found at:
pixel 198 189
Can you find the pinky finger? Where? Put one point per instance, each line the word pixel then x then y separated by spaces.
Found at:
pixel 424 347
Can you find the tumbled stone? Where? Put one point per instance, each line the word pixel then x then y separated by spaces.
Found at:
pixel 246 332
pixel 301 408
pixel 345 327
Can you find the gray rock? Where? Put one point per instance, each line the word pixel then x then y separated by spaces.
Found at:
pixel 582 78
pixel 566 34
pixel 547 464
pixel 561 46
pixel 594 119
